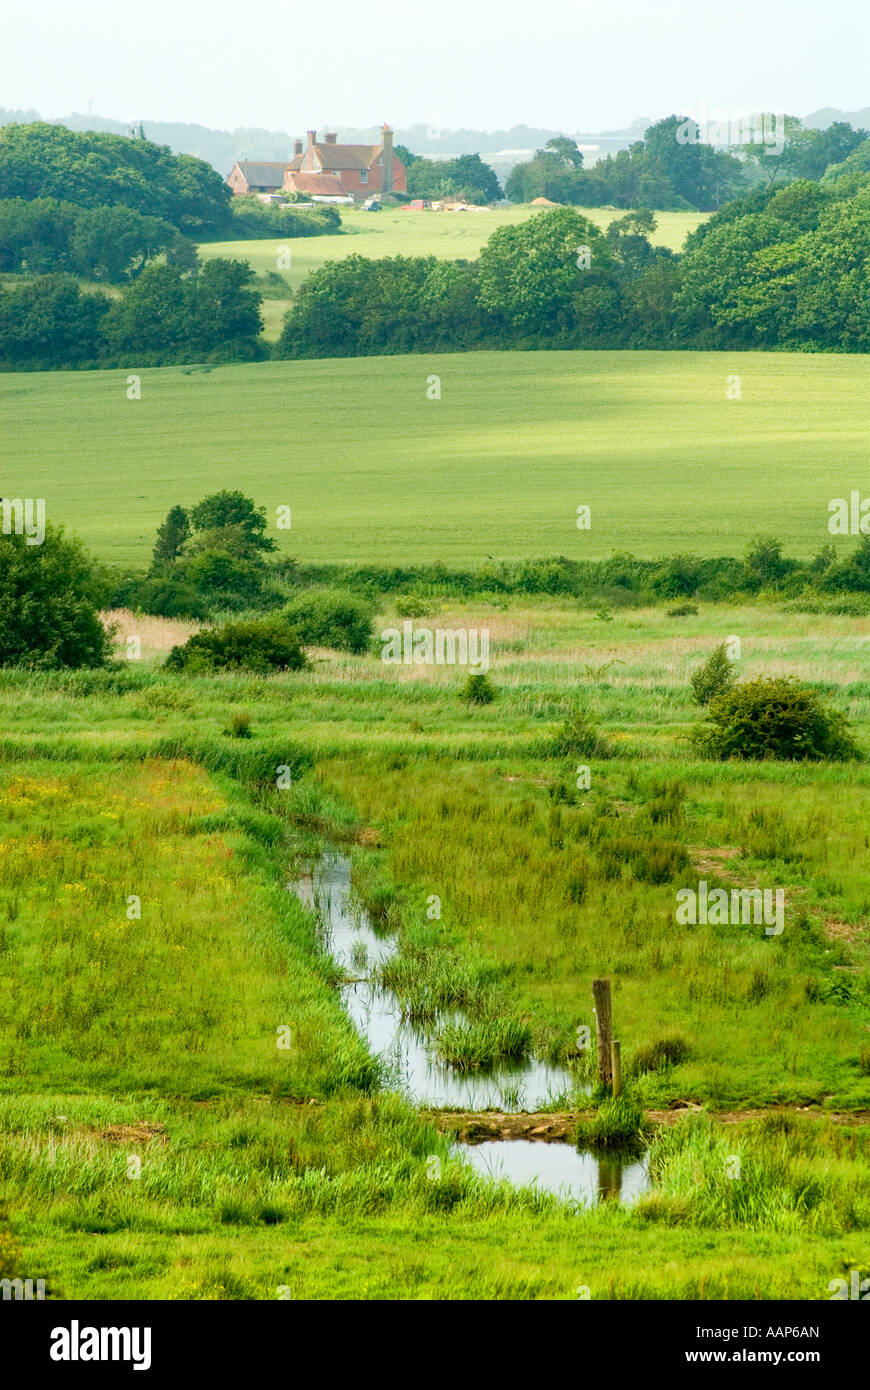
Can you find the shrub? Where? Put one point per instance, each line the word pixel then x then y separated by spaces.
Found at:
pixel 714 678
pixel 50 594
pixel 651 861
pixel 330 618
pixel 683 610
pixel 774 718
pixel 226 580
pixel 239 726
pixel 264 644
pixel 478 690
pixel 579 735
pixel 167 596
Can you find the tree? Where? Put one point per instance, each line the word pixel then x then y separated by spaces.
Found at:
pixel 49 601
pixel 35 234
pixel 530 273
pixel 566 151
pixel 51 323
pixel 182 254
pixel 92 169
pixel 151 320
pixel 171 537
pixel 114 243
pixel 223 318
pixel 227 511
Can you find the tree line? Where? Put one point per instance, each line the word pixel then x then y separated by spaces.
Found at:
pixel 673 168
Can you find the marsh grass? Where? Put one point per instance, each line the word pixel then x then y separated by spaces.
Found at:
pixel 483 1043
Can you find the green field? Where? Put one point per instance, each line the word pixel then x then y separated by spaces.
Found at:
pixel 375 471
pixel 153 1039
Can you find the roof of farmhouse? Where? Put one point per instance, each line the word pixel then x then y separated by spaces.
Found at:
pixel 259 172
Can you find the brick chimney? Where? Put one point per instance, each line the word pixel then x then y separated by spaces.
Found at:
pixel 387 177
pixel 297 147
pixel 309 153
pixel 331 138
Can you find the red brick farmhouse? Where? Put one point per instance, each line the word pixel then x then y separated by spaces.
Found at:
pixel 326 169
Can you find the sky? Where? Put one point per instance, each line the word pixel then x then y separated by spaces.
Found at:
pixel 573 65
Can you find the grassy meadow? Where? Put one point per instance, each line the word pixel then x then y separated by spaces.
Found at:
pixel 157 1142
pixel 375 471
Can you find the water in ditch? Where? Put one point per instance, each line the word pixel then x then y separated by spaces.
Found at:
pixel 350 939
pixel 354 944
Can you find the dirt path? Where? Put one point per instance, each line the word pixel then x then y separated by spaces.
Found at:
pixel 477 1126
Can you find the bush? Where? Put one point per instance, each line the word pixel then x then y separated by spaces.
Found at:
pixel 239 726
pixel 167 596
pixel 683 610
pixel 714 678
pixel 50 595
pixel 774 718
pixel 478 690
pixel 330 618
pixel 580 736
pixel 265 644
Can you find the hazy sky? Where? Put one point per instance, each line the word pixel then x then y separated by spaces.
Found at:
pixel 488 64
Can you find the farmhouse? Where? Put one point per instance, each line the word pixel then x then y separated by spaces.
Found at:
pixel 255 176
pixel 325 169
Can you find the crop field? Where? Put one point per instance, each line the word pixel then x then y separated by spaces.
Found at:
pixel 373 470
pixel 155 1142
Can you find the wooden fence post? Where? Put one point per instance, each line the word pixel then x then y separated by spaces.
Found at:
pixel 616 1066
pixel 603 1029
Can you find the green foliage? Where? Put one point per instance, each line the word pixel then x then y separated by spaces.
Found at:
pixel 482 1043
pixel 167 315
pixel 51 323
pixel 165 596
pixel 330 618
pixel 619 1122
pixel 50 594
pixel 465 177
pixel 774 718
pixel 265 644
pixel 253 220
pixel 172 536
pixel 715 677
pixel 579 736
pixel 89 169
pixel 669 168
pixel 239 725
pixel 478 689
pixel 232 513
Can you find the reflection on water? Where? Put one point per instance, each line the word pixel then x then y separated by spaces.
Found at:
pixel 354 944
pixel 559 1168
